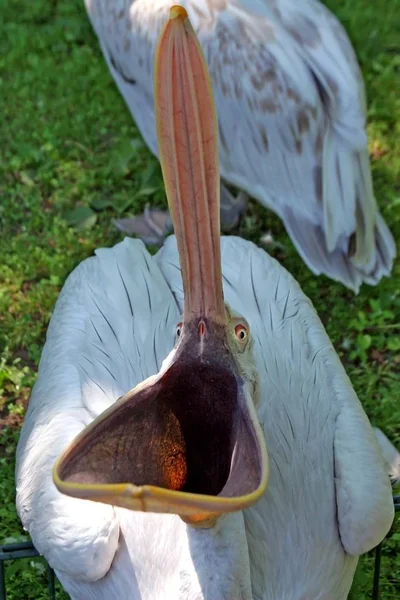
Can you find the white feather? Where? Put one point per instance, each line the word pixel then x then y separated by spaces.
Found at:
pixel 328 499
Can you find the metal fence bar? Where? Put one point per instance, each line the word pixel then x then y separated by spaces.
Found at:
pixel 52 583
pixel 377 572
pixel 2 582
pixel 22 550
pixel 378 556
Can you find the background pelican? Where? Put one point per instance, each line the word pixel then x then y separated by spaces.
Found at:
pixel 291 110
pixel 115 322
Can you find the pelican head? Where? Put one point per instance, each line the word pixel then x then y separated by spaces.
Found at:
pixel 187 440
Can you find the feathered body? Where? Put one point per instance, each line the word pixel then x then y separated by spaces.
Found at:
pixel 328 499
pixel 291 110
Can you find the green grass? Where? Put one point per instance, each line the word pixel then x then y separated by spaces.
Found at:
pixel 65 145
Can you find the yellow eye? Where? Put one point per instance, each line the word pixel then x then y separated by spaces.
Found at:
pixel 241 332
pixel 179 329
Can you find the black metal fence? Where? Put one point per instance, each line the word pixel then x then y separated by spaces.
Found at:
pixel 27 550
pixel 15 552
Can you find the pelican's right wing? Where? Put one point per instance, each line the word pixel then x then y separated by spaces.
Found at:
pixel 112 326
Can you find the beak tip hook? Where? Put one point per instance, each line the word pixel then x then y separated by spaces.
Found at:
pixel 177 11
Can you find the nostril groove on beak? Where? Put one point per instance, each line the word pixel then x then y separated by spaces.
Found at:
pixel 201 328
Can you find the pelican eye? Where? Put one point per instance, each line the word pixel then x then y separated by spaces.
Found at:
pixel 178 330
pixel 241 332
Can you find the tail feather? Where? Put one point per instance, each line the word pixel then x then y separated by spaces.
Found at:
pixel 366 211
pixel 351 243
pixel 385 248
pixel 390 455
pixel 338 190
pixel 310 242
pixel 309 239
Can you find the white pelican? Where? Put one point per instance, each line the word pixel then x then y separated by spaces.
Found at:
pixel 291 113
pixel 188 441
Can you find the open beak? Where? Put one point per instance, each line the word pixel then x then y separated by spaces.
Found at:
pixel 187 440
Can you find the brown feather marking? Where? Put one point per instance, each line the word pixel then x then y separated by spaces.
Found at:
pixel 303 122
pixel 222 137
pixel 277 89
pixel 293 95
pixel 259 80
pixel 318 143
pixel 268 105
pixel 264 138
pixel 238 90
pixel 317 175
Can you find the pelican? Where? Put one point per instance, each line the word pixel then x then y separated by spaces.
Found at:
pixel 291 119
pixel 142 466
